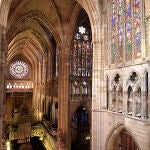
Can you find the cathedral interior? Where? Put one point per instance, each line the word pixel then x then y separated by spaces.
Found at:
pixel 74 75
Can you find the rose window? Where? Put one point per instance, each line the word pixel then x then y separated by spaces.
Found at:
pixel 18 69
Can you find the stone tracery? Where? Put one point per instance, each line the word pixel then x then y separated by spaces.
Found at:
pixel 18 69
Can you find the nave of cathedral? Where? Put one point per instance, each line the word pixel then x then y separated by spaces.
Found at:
pixel 74 74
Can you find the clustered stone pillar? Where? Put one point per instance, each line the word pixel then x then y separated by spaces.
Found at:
pixel 2 77
pixel 125 104
pixel 98 93
pixel 60 143
pixel 144 103
pixel 148 90
pixel 63 96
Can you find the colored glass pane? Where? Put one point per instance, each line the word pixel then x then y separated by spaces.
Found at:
pixel 120 30
pixel 128 24
pixel 81 53
pixel 137 26
pixel 113 33
pixel 126 18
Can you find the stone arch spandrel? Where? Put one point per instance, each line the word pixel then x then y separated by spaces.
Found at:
pixel 93 10
pixel 114 132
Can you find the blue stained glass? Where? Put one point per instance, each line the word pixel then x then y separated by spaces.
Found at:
pixel 113 20
pixel 128 11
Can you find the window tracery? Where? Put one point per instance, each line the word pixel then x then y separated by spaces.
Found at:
pixel 134 96
pixel 128 96
pixel 16 85
pixel 117 94
pixel 18 69
pixel 81 53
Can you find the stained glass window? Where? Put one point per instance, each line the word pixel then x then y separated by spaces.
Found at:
pixel 128 29
pixel 81 64
pixel 113 33
pixel 81 53
pixel 146 38
pixel 18 69
pixel 137 26
pixel 120 30
pixel 126 18
pixel 57 61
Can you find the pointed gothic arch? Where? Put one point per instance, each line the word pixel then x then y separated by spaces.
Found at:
pixel 121 131
pixel 80 129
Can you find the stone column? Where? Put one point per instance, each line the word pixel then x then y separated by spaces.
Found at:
pixel 144 103
pixel 125 102
pixel 98 94
pixel 134 104
pixel 3 45
pixel 53 112
pixel 60 143
pixel 110 99
pixel 148 103
pixel 63 89
pixel 117 101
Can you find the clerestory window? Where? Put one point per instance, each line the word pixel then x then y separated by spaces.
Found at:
pixel 126 24
pixel 81 63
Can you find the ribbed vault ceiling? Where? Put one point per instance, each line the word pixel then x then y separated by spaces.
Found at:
pixel 35 26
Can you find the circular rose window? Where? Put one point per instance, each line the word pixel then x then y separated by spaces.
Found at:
pixel 18 69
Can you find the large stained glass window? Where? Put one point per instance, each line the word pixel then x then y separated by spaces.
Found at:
pixel 81 53
pixel 120 30
pixel 146 36
pixel 137 26
pixel 126 18
pixel 81 63
pixel 113 33
pixel 18 69
pixel 128 29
